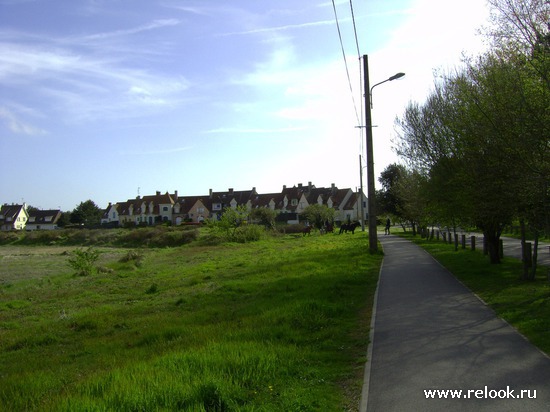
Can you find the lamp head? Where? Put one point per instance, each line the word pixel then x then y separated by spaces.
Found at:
pixel 396 76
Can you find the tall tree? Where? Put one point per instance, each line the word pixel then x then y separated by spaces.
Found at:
pixel 388 200
pixel 87 213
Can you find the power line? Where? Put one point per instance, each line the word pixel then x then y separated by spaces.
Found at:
pixel 361 148
pixel 354 27
pixel 345 60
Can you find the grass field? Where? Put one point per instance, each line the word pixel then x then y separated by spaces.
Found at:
pixel 275 325
pixel 523 304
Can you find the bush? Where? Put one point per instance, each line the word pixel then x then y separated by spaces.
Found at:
pixel 133 256
pixel 159 236
pixel 82 261
pixel 297 228
pixel 41 237
pixel 248 233
pixel 8 237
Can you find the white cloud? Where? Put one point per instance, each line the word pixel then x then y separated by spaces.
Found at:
pixel 245 130
pixel 156 24
pixel 18 126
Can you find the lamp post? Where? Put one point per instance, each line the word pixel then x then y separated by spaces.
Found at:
pixel 373 238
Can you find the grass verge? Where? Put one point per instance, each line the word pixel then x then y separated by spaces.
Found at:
pixel 523 304
pixel 275 325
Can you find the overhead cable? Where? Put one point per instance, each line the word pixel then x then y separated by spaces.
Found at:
pixel 345 61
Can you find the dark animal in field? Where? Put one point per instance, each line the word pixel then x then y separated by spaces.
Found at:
pixel 306 230
pixel 349 227
pixel 329 228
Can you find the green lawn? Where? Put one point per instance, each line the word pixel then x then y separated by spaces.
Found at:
pixel 275 325
pixel 523 304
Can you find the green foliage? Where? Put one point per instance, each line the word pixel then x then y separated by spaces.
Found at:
pixel 264 216
pixel 157 236
pixel 318 214
pixel 83 261
pixel 481 137
pixel 134 256
pixel 87 214
pixel 234 226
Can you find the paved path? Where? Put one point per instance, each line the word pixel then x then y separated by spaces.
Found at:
pixel 431 332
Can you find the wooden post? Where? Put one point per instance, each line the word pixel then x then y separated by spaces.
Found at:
pixel 456 241
pixel 463 240
pixel 473 242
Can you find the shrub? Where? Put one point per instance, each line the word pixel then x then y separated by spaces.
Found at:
pixel 159 236
pixel 133 256
pixel 8 237
pixel 82 261
pixel 297 228
pixel 41 237
pixel 248 233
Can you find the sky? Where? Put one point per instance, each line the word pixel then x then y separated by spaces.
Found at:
pixel 108 99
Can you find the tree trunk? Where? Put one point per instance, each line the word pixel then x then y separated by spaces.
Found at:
pixel 535 257
pixel 492 237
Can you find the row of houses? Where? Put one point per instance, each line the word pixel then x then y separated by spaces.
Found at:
pixel 18 217
pixel 289 204
pixel 175 209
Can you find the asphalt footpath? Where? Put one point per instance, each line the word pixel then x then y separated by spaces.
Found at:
pixel 436 347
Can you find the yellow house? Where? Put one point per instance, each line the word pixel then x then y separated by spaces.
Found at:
pixel 13 217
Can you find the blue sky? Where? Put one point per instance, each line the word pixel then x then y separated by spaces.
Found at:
pixel 101 97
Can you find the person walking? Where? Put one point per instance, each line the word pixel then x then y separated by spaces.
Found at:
pixel 388 224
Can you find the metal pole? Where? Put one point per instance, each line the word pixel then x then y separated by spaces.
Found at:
pixel 361 194
pixel 373 238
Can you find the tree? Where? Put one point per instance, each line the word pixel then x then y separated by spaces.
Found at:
pixel 388 200
pixel 231 219
pixel 87 214
pixel 412 208
pixel 265 216
pixel 318 214
pixel 481 138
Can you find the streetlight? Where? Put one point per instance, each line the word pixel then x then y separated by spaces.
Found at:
pixel 373 238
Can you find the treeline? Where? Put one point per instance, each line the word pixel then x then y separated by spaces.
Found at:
pixel 477 151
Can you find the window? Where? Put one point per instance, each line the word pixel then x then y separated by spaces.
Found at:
pixel 165 208
pixel 294 202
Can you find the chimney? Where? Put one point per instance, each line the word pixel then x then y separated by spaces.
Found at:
pixel 158 192
pixel 309 186
pixel 230 190
pixel 284 187
pixel 176 194
pixel 210 193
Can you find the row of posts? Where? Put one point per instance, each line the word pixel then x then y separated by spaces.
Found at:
pixel 448 238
